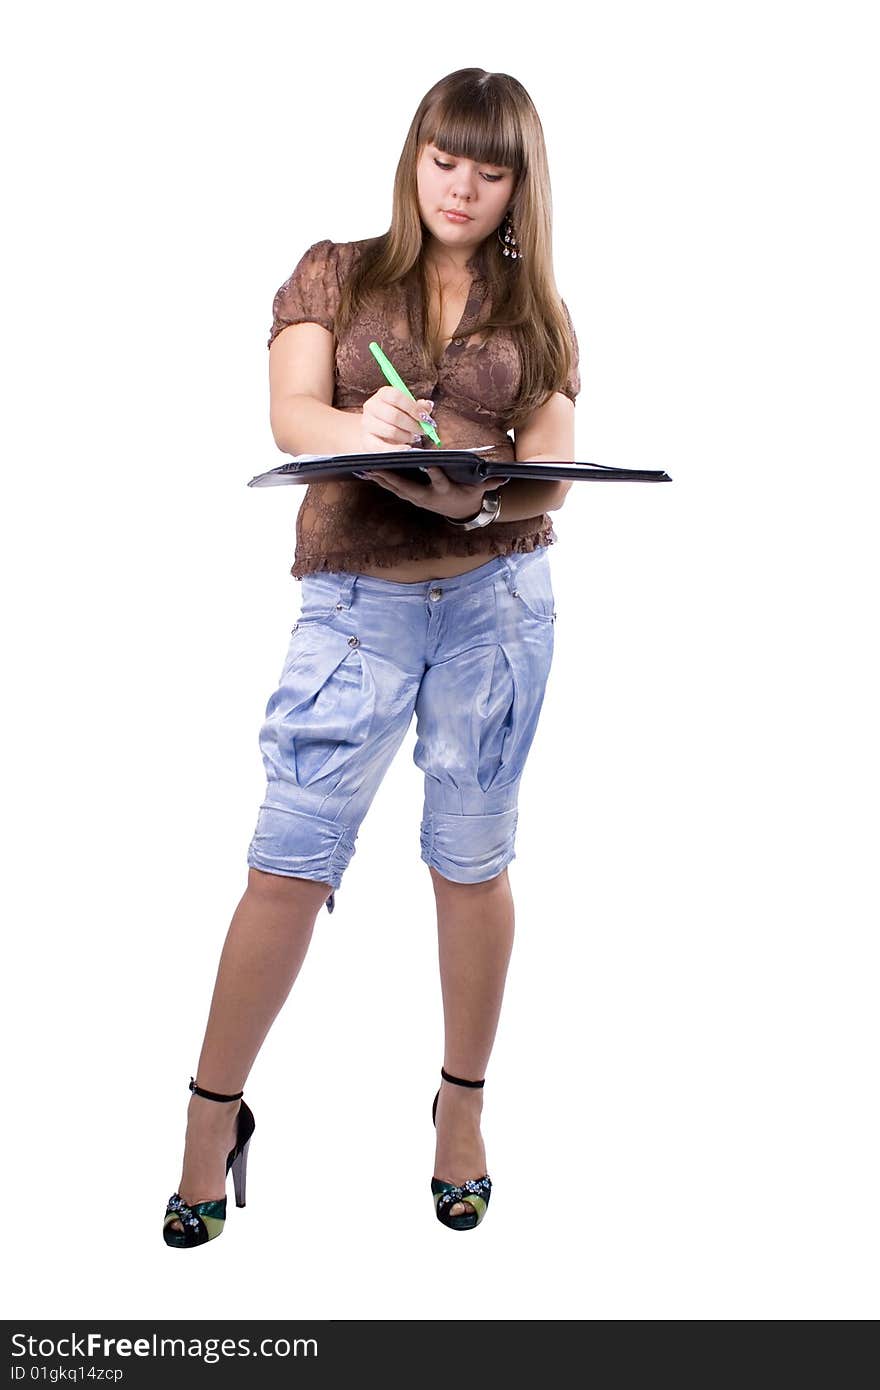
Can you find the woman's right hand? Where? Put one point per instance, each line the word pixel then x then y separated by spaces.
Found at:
pixel 390 420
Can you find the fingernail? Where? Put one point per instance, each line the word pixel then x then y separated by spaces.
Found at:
pixel 428 419
pixel 358 475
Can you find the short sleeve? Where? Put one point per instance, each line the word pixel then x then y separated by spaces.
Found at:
pixel 311 293
pixel 573 380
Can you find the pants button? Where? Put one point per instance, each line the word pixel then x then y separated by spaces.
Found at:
pixel 354 641
pixel 435 594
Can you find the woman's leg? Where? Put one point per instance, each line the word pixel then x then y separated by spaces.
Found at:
pixel 475 926
pixel 265 946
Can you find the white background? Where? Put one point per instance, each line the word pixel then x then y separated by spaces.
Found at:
pixel 680 1112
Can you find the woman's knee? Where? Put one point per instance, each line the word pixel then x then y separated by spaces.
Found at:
pixel 287 889
pixel 475 889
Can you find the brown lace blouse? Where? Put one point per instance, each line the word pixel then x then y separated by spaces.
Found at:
pixel 349 524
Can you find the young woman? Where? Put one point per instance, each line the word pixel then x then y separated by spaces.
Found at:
pixel 430 597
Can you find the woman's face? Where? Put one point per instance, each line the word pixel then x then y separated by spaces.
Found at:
pixel 446 182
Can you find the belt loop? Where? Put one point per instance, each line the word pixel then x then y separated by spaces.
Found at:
pixel 509 576
pixel 345 592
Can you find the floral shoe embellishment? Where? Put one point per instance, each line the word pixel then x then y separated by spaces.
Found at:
pixel 200 1223
pixel 186 1214
pixel 480 1187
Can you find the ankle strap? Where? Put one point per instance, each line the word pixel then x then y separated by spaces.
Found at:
pixel 212 1095
pixel 459 1081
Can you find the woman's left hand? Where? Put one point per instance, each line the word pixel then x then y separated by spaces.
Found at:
pixel 455 500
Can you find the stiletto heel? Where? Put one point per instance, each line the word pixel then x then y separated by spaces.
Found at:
pixel 204 1221
pixel 475 1191
pixel 239 1174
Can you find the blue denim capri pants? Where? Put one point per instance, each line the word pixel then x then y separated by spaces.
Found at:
pixel 469 655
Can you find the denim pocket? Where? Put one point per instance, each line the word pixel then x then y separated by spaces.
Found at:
pixel 533 586
pixel 319 601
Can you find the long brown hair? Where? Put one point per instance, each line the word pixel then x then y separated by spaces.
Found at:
pixel 488 117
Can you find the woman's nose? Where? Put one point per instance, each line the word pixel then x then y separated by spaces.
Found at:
pixel 463 185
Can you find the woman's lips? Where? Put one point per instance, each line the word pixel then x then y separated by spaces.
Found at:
pixel 457 216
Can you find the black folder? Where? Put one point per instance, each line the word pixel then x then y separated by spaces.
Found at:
pixel 461 465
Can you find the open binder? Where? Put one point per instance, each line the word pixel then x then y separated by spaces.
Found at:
pixel 461 465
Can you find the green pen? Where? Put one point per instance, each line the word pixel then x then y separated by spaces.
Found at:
pixel 394 379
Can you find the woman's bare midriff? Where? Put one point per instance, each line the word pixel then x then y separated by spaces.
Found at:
pixel 414 571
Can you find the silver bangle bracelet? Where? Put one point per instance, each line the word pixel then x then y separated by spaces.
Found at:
pixel 489 511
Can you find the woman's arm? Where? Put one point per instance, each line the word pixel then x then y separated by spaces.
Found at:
pixel 301 373
pixel 303 420
pixel 547 434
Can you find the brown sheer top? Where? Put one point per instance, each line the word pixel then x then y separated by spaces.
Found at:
pixel 353 523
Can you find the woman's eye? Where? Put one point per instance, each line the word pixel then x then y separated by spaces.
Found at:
pixel 490 178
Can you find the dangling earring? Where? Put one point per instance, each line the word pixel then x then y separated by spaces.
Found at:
pixel 507 237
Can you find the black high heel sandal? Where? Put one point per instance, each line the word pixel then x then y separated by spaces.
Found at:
pixel 204 1221
pixel 476 1191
